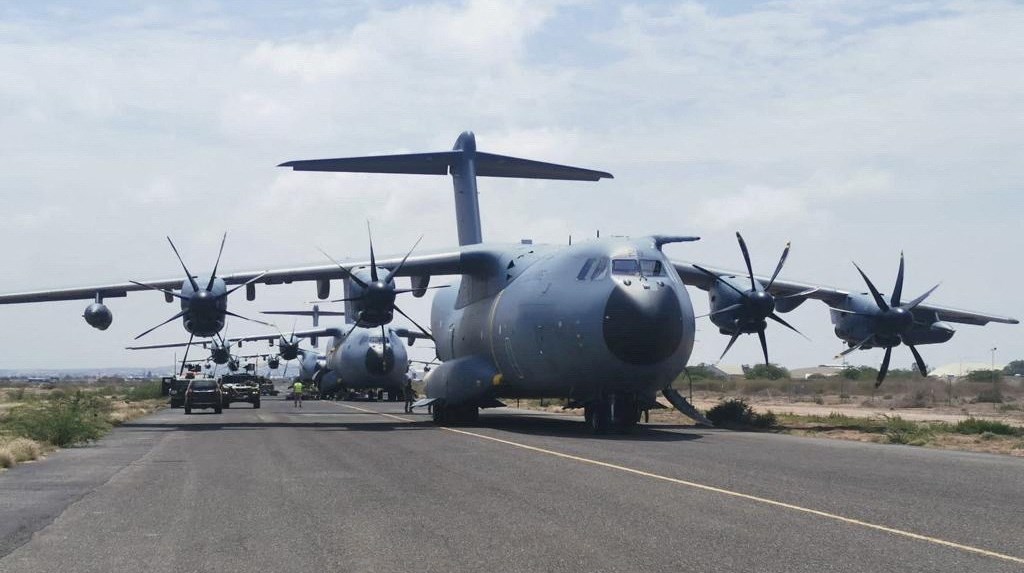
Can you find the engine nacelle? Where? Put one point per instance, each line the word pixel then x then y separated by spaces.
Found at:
pixel 98 316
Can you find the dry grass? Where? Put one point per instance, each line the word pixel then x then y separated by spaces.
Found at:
pixel 17 450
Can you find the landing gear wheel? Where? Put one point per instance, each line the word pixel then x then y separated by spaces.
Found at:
pixel 598 416
pixel 256 405
pixel 227 404
pixel 217 410
pixel 188 410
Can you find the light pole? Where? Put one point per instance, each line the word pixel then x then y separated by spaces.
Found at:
pixel 995 379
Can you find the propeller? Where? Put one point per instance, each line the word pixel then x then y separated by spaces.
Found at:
pixel 376 297
pixel 892 322
pixel 204 308
pixel 756 305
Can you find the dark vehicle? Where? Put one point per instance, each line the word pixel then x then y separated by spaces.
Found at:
pixel 240 388
pixel 176 387
pixel 203 393
pixel 267 388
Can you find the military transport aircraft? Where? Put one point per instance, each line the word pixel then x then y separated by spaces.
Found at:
pixel 605 323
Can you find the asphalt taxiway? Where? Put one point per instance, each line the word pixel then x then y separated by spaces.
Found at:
pixel 364 487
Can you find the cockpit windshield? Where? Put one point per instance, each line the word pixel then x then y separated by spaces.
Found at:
pixel 634 267
pixel 625 267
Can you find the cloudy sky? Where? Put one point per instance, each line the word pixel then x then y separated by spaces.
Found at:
pixel 855 130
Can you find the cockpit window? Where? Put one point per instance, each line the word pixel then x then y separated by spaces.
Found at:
pixel 652 268
pixel 645 267
pixel 600 269
pixel 625 267
pixel 586 269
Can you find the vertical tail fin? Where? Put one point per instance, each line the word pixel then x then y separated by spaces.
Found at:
pixel 464 163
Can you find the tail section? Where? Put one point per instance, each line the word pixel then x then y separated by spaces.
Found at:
pixel 464 163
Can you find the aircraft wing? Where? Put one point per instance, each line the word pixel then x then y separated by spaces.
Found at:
pixel 444 263
pixel 313 333
pixel 832 296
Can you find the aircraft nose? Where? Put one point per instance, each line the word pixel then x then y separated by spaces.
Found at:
pixel 379 360
pixel 643 326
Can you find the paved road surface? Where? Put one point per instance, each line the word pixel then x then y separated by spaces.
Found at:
pixel 363 487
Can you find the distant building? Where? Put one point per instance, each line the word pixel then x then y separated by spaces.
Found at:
pixel 823 371
pixel 960 369
pixel 726 370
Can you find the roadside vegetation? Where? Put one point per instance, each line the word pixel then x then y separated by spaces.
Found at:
pixel 35 420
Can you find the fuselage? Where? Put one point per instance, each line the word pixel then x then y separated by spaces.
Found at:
pixel 364 359
pixel 573 321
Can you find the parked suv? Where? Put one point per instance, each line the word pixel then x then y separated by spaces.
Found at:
pixel 203 393
pixel 240 388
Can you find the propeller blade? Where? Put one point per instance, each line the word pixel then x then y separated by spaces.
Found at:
pixel 391 275
pixel 728 346
pixel 721 310
pixel 802 293
pixel 246 283
pixel 213 274
pixel 165 291
pixel 416 324
pixel 345 273
pixel 746 259
pixel 764 346
pixel 897 291
pixel 405 290
pixel 779 320
pixel 229 313
pixel 913 304
pixel 191 280
pixel 778 269
pixel 884 369
pixel 854 347
pixel 175 317
pixel 719 279
pixel 185 358
pixel 351 298
pixel 921 366
pixel 373 260
pixel 874 291
pixel 354 326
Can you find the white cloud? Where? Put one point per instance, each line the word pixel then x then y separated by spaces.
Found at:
pixel 854 129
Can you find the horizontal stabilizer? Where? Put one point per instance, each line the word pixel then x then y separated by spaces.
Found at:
pixel 443 162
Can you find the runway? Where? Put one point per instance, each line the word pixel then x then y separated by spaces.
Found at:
pixel 364 487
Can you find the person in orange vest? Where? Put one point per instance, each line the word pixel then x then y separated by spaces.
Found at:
pixel 297 394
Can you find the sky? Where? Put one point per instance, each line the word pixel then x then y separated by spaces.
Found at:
pixel 856 130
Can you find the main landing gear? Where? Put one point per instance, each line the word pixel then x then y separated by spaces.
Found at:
pixel 619 412
pixel 449 415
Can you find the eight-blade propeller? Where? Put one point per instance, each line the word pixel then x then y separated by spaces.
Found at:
pixel 755 305
pixel 205 307
pixel 891 323
pixel 376 300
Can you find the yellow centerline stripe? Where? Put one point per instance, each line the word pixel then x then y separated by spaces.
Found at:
pixel 736 494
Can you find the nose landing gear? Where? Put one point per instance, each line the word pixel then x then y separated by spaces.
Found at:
pixel 616 411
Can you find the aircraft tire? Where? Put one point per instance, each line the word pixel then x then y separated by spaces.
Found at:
pixel 188 410
pixel 217 410
pixel 227 404
pixel 256 405
pixel 598 416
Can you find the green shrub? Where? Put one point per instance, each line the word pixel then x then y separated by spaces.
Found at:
pixel 145 391
pixel 975 426
pixel 990 396
pixel 736 413
pixel 72 419
pixel 900 431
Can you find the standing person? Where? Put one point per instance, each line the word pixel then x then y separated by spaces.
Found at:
pixel 410 395
pixel 297 394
